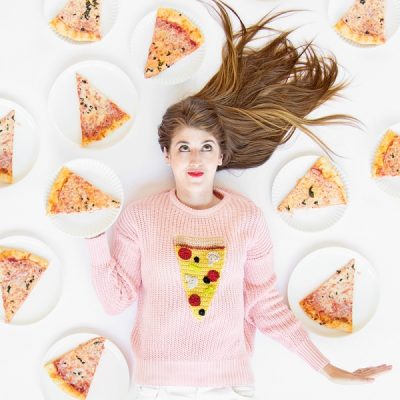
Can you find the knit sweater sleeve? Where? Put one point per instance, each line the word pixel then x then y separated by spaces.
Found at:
pixel 116 268
pixel 264 306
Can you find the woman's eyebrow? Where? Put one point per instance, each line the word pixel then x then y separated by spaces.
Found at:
pixel 185 142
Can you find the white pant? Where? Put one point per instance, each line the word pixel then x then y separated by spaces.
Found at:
pixel 145 392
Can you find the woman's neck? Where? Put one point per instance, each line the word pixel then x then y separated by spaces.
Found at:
pixel 199 200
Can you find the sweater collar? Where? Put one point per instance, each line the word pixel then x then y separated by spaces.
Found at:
pixel 206 211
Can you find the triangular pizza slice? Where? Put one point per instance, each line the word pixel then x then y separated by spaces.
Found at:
pixel 99 116
pixel 7 147
pixel 331 304
pixel 19 272
pixel 74 370
pixel 79 20
pixel 201 261
pixel 364 22
pixel 71 193
pixel 387 158
pixel 321 186
pixel 174 37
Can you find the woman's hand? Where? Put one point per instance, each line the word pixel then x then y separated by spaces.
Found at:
pixel 361 375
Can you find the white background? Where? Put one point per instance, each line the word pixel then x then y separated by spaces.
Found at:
pixel 32 58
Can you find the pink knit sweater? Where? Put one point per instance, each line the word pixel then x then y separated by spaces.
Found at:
pixel 204 281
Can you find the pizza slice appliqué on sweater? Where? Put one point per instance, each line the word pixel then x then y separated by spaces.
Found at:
pixel 201 261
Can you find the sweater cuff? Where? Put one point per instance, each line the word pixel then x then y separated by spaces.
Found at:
pixel 310 353
pixel 99 251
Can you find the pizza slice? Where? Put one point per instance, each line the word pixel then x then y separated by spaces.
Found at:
pixel 321 186
pixel 74 371
pixel 387 158
pixel 201 261
pixel 364 22
pixel 99 116
pixel 7 147
pixel 174 37
pixel 79 20
pixel 331 304
pixel 71 193
pixel 19 272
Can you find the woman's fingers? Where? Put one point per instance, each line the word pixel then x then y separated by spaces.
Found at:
pixel 373 370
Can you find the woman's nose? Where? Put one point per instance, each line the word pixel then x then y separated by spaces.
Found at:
pixel 195 158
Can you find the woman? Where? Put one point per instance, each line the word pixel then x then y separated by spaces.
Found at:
pixel 198 258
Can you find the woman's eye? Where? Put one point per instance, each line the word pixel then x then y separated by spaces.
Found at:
pixel 184 147
pixel 207 147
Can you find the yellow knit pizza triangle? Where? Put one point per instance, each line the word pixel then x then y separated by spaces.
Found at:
pixel 201 261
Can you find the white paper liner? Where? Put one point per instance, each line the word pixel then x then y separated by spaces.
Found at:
pixel 337 8
pixel 388 184
pixel 89 224
pixel 141 38
pixel 108 16
pixel 26 141
pixel 319 265
pixel 310 220
pixel 45 295
pixel 113 82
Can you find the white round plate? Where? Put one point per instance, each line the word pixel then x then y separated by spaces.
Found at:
pixel 108 16
pixel 337 8
pixel 111 380
pixel 26 140
pixel 389 184
pixel 91 223
pixel 108 79
pixel 141 38
pixel 45 295
pixel 318 266
pixel 314 219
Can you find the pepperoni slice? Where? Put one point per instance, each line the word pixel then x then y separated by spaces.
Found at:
pixel 194 300
pixel 213 275
pixel 185 253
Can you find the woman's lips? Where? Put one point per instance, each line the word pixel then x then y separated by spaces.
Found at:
pixel 196 173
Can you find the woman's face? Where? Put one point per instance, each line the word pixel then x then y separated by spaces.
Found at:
pixel 194 155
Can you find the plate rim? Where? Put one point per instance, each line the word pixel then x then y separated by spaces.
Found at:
pixel 54 176
pixel 101 63
pixel 61 275
pixel 342 175
pixel 326 247
pixel 329 17
pixel 76 333
pixel 115 17
pixel 188 13
pixel 36 135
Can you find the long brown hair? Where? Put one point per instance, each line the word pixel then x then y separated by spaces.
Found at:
pixel 259 96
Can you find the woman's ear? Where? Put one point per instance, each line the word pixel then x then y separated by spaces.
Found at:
pixel 166 155
pixel 220 159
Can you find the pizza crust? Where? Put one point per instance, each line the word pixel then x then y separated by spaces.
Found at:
pixel 6 178
pixel 106 131
pixel 63 29
pixel 53 374
pixel 199 243
pixel 342 28
pixel 380 152
pixel 22 255
pixel 178 18
pixel 324 319
pixel 329 172
pixel 56 188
